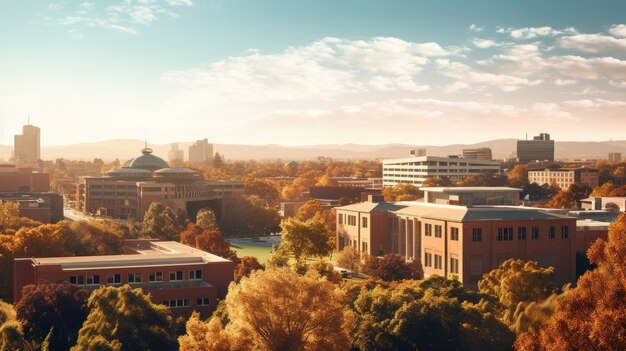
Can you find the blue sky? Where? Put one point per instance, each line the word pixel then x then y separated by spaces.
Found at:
pixel 308 72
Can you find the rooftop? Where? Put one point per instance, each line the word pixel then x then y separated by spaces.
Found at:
pixel 142 253
pixel 469 189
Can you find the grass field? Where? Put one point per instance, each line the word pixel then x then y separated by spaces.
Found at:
pixel 260 252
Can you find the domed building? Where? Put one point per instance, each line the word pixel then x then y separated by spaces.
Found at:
pixel 128 192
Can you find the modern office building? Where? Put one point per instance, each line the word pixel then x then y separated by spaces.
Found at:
pixel 31 190
pixel 176 275
pixel 201 152
pixel 541 148
pixel 27 148
pixel 472 196
pixel 615 157
pixel 414 170
pixel 565 177
pixel 417 152
pixel 128 192
pixel 176 154
pixel 466 241
pixel 483 153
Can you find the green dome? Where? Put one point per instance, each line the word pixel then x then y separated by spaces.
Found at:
pixel 147 161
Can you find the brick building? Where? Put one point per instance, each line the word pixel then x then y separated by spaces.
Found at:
pixel 462 240
pixel 564 177
pixel 179 276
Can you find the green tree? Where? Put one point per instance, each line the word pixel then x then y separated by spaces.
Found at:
pixel 206 219
pixel 306 238
pixel 159 222
pixel 127 317
pixel 11 332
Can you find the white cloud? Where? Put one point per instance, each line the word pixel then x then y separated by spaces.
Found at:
pixel 530 32
pixel 322 70
pixel 564 82
pixel 618 84
pixel 618 30
pixel 465 73
pixel 484 43
pixel 475 28
pixel 593 43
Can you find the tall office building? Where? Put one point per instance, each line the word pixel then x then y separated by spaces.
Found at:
pixel 27 149
pixel 176 154
pixel 541 148
pixel 615 157
pixel 483 153
pixel 201 152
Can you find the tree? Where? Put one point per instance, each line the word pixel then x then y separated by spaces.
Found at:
pixel 206 219
pixel 263 188
pixel 218 161
pixel 431 181
pixel 248 215
pixel 401 192
pixel 393 267
pixel 518 176
pixel 517 284
pixel 159 222
pixel 306 238
pixel 210 241
pixel 127 316
pixel 210 336
pixel 44 307
pixel 569 198
pixel 325 180
pixel 274 310
pixel 308 210
pixel 11 332
pixel 10 217
pixel 591 316
pixel 96 238
pixel 349 258
pixel 247 265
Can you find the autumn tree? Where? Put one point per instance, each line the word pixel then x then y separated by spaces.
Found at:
pixel 11 331
pixel 569 198
pixel 300 313
pixel 263 188
pixel 210 241
pixel 159 222
pixel 592 315
pixel 349 258
pixel 518 176
pixel 431 181
pixel 393 267
pixel 125 316
pixel 401 192
pixel 308 210
pixel 205 219
pixel 518 284
pixel 10 219
pixel 248 215
pixel 306 238
pixel 54 312
pixel 247 265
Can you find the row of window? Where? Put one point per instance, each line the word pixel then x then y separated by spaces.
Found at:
pixel 177 303
pixel 506 234
pixel 153 277
pixel 428 260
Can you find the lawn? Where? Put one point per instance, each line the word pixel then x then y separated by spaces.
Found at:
pixel 262 253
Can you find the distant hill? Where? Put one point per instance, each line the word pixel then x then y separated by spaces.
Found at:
pixel 124 149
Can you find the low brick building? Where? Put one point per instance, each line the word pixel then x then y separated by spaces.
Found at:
pixel 179 276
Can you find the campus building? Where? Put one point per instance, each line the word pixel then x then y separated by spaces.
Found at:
pixel 415 170
pixel 472 196
pixel 201 152
pixel 462 240
pixel 176 154
pixel 541 148
pixel 176 275
pixel 27 148
pixel 31 190
pixel 565 177
pixel 607 203
pixel 483 153
pixel 129 191
pixel 615 157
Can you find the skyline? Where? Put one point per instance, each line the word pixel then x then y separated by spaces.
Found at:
pixel 229 71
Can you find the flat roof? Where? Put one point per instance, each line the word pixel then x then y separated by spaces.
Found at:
pixel 147 253
pixel 469 189
pixel 590 224
pixel 440 158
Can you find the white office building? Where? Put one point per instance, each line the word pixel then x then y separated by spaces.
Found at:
pixel 414 170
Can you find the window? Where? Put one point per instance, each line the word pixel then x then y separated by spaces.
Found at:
pixel 203 301
pixel 505 234
pixel 551 232
pixel 177 303
pixel 521 233
pixel 437 231
pixel 352 220
pixel 134 278
pixel 428 259
pixel 114 279
pixel 477 234
pixel 428 229
pixel 176 276
pixel 410 234
pixel 93 280
pixel 438 262
pixel 155 277
pixel 363 247
pixel 535 233
pixel 454 265
pixel 364 220
pixel 564 232
pixel 197 274
pixel 340 218
pixel 77 280
pixel 454 234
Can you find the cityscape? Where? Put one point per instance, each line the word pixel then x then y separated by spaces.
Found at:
pixel 193 175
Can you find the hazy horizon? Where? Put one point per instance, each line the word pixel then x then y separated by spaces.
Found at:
pixel 310 73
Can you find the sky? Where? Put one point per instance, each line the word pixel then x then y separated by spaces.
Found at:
pixel 299 72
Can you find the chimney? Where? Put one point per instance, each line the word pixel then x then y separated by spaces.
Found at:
pixel 375 198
